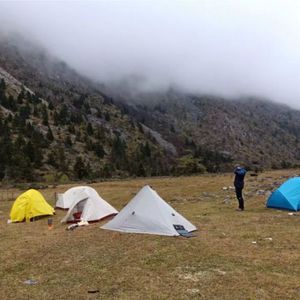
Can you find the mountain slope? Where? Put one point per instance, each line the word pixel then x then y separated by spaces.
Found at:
pixel 56 123
pixel 255 132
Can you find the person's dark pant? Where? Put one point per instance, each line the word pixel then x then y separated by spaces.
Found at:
pixel 239 196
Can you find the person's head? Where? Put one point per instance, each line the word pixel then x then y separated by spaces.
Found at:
pixel 237 166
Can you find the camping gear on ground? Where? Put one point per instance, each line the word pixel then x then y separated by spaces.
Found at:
pixel 287 196
pixel 87 206
pixel 147 212
pixel 182 231
pixel 50 223
pixel 30 206
pixel 74 226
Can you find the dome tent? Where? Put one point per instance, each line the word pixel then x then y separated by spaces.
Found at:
pixel 287 196
pixel 148 213
pixel 30 205
pixel 87 205
pixel 60 203
pixel 65 200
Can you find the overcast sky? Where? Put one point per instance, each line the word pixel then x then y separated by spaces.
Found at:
pixel 242 47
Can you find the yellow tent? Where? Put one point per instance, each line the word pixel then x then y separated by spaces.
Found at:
pixel 29 205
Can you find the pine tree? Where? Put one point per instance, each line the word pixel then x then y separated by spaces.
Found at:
pixel 2 86
pixel 98 149
pixel 68 141
pixel 50 105
pixel 12 104
pixel 51 160
pixel 45 115
pixel 49 135
pixel 146 150
pixel 99 113
pixel 107 116
pixel 141 171
pixel 87 108
pixel 108 170
pixel 63 116
pixel 21 96
pixel 78 103
pixel 89 129
pixel 79 168
pixel 36 111
pixel 61 160
pixel 71 129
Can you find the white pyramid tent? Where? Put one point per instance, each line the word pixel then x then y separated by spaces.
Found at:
pixel 87 205
pixel 147 212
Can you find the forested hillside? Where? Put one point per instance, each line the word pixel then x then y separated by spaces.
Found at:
pixel 255 132
pixel 86 137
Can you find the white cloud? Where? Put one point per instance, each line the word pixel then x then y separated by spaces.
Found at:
pixel 226 47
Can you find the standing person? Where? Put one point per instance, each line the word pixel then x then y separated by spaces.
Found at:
pixel 240 173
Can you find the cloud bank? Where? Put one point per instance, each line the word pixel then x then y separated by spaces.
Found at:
pixel 231 48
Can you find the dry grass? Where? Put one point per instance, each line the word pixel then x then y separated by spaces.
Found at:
pixel 221 262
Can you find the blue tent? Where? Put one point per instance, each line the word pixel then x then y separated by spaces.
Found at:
pixel 287 196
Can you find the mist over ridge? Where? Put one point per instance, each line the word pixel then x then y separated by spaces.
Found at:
pixel 230 49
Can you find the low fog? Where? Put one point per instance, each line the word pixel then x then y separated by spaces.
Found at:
pixel 231 48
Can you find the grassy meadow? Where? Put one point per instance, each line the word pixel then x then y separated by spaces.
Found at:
pixel 253 254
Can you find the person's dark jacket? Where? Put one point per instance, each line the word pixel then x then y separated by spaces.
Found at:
pixel 239 177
